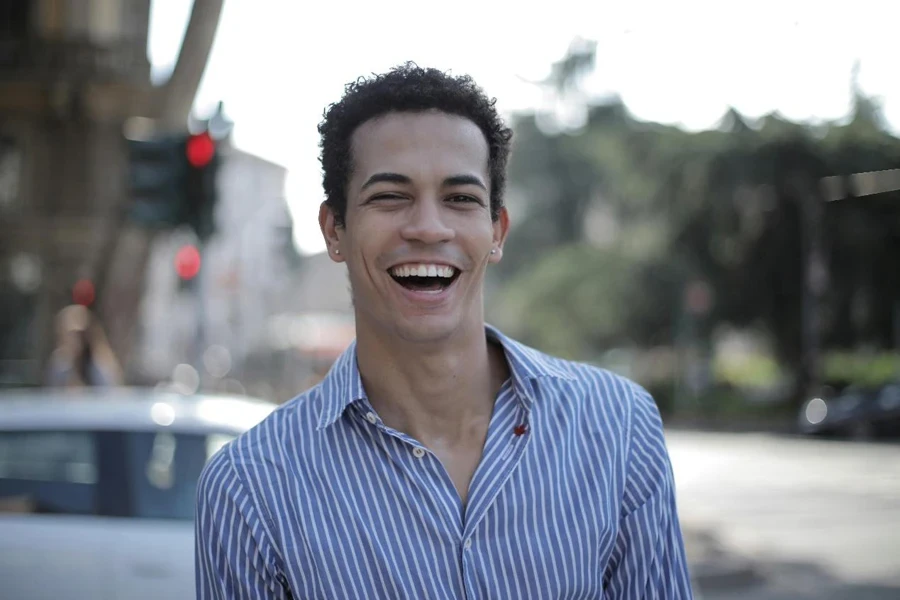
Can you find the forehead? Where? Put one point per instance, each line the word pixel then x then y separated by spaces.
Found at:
pixel 418 144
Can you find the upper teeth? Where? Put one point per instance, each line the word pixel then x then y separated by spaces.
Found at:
pixel 422 270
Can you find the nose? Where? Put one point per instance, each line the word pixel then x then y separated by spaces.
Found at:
pixel 425 223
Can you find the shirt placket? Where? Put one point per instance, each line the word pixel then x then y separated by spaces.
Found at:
pixel 423 467
pixel 508 438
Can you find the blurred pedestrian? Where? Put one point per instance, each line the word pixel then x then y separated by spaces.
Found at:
pixel 83 357
pixel 438 458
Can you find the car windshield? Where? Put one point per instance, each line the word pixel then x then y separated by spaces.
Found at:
pixel 149 475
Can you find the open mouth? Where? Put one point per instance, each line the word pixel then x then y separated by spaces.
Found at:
pixel 424 277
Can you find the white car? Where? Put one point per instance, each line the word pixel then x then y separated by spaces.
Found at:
pixel 97 489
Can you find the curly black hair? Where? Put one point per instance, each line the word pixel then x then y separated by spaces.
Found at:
pixel 407 88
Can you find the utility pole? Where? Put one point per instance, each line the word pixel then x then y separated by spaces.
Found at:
pixel 815 280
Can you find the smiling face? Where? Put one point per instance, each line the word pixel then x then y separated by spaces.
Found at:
pixel 417 233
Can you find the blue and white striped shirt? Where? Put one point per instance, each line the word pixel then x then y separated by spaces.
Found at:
pixel 323 501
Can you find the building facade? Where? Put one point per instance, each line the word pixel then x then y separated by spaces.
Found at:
pixel 246 275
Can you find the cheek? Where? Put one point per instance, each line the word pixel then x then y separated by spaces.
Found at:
pixel 476 232
pixel 376 232
pixel 367 242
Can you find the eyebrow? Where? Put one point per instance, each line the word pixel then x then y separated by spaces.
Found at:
pixel 385 178
pixel 453 180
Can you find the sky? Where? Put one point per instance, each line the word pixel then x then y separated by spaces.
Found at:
pixel 276 64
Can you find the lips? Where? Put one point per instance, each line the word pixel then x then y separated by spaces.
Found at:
pixel 424 277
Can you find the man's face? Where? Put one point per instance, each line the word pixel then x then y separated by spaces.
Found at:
pixel 417 232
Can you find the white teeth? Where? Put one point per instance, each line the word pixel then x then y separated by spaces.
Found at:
pixel 423 270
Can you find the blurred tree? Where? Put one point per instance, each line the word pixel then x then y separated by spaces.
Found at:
pixel 567 73
pixel 623 214
pixel 579 300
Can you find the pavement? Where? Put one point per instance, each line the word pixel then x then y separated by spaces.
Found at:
pixel 715 566
pixel 776 517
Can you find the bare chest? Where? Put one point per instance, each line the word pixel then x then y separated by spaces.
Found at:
pixel 460 463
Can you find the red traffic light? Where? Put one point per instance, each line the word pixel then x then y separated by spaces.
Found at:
pixel 187 262
pixel 200 149
pixel 83 292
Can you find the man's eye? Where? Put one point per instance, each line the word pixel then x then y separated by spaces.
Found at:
pixel 385 197
pixel 462 198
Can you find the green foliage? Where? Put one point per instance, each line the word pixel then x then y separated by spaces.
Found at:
pixel 748 371
pixel 611 221
pixel 860 368
pixel 578 300
pixel 569 302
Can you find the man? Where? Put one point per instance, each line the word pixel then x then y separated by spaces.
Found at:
pixel 438 458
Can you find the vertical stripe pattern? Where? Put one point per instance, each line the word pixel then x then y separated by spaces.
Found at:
pixel 573 498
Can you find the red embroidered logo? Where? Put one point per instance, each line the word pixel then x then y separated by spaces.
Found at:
pixel 520 429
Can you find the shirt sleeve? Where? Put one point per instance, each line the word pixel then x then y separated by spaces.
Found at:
pixel 233 555
pixel 648 561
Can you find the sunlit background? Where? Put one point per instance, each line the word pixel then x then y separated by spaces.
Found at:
pixel 705 197
pixel 276 67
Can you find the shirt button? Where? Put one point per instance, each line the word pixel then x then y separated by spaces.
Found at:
pixel 418 452
pixel 468 544
pixel 371 418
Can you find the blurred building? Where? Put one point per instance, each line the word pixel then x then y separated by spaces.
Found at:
pixel 245 277
pixel 71 73
pixel 271 323
pixel 318 324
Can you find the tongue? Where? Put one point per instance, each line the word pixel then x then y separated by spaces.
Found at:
pixel 422 284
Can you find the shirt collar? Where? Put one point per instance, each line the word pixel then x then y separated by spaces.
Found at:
pixel 343 385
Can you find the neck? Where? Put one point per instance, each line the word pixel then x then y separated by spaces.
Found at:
pixel 440 391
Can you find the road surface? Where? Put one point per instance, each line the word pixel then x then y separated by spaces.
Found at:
pixel 816 518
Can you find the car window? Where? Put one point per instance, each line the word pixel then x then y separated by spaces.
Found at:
pixel 48 472
pixel 164 469
pixel 125 474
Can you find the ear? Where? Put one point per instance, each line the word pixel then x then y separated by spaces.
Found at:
pixel 330 232
pixel 501 229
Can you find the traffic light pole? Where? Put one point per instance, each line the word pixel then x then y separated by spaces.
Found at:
pixel 200 292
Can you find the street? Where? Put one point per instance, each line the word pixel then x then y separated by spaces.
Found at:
pixel 806 518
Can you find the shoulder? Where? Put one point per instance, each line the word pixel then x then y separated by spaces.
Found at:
pixel 628 414
pixel 592 387
pixel 600 398
pixel 296 417
pixel 250 470
pixel 259 455
pixel 613 412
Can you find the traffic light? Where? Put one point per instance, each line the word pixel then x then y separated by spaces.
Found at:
pixel 200 186
pixel 187 262
pixel 187 266
pixel 156 176
pixel 200 150
pixel 173 182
